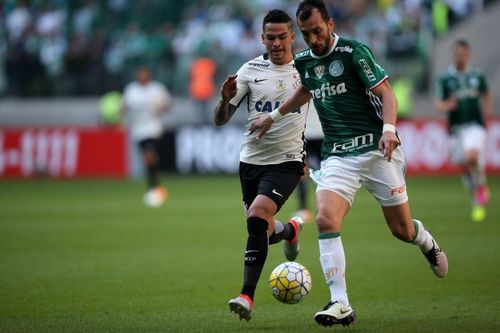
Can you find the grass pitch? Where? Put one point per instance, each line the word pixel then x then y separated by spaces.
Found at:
pixel 88 256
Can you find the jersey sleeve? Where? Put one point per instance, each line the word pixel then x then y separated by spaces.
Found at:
pixel 242 85
pixel 164 99
pixel 371 73
pixel 483 85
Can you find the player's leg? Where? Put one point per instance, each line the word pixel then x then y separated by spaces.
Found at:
pixel 278 183
pixel 155 194
pixel 302 194
pixel 332 209
pixel 150 160
pixel 265 189
pixel 413 231
pixel 256 245
pixel 260 213
pixel 474 167
pixel 472 139
pixel 313 161
pixel 337 182
pixel 385 181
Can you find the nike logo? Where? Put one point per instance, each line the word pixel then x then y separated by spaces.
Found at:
pixel 259 80
pixel 342 311
pixel 277 193
pixel 250 251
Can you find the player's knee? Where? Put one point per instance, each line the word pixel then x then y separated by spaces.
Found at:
pixel 260 212
pixel 327 224
pixel 149 158
pixel 471 158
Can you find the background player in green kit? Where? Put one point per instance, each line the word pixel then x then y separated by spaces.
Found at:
pixel 462 93
pixel 357 110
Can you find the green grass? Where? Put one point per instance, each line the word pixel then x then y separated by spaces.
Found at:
pixel 87 256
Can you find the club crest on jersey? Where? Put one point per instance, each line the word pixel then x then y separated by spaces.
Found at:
pixel 319 70
pixel 280 84
pixel 336 68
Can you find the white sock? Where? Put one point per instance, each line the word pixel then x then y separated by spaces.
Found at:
pixel 423 238
pixel 332 260
pixel 278 227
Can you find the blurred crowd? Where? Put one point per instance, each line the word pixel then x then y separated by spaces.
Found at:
pixel 89 47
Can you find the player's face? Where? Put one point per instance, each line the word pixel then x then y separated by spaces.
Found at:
pixel 143 76
pixel 317 33
pixel 278 39
pixel 461 56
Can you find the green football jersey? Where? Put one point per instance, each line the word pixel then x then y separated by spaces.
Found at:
pixel 467 87
pixel 340 83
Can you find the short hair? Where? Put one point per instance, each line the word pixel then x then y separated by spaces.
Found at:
pixel 276 16
pixel 462 43
pixel 304 11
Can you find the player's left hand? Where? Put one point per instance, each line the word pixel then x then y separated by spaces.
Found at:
pixel 388 142
pixel 263 123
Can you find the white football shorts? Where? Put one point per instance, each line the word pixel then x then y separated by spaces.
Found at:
pixel 467 137
pixel 383 179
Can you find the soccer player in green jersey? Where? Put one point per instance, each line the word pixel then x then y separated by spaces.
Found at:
pixel 357 110
pixel 462 93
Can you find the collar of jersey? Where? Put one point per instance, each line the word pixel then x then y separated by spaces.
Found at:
pixel 330 51
pixel 271 64
pixel 453 70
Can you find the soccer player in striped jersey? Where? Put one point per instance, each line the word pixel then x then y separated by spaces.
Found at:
pixel 462 93
pixel 270 168
pixel 357 110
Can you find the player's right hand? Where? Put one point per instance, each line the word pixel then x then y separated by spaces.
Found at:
pixel 229 88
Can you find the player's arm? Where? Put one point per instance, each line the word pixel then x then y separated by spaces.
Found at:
pixel 166 99
pixel 389 140
pixel 442 104
pixel 163 99
pixel 374 78
pixel 225 110
pixel 487 102
pixel 300 97
pixel 446 105
pixel 486 98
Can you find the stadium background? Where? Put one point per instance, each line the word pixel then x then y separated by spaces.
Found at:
pixel 60 59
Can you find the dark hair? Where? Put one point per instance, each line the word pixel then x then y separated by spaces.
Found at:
pixel 276 16
pixel 463 43
pixel 306 7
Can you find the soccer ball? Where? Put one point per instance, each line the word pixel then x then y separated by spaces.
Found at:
pixel 155 197
pixel 290 282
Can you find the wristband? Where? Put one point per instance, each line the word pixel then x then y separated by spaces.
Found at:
pixel 276 114
pixel 389 128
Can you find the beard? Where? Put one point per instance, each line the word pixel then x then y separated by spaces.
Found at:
pixel 325 50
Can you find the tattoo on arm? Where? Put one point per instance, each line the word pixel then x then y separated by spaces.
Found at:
pixel 223 112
